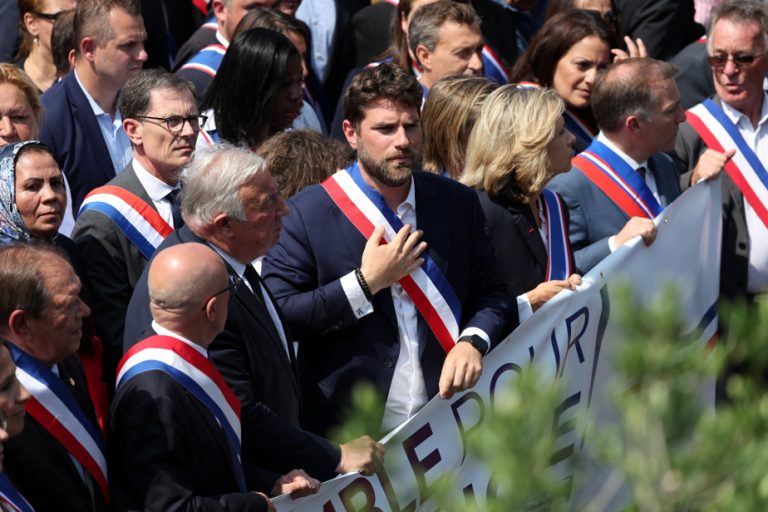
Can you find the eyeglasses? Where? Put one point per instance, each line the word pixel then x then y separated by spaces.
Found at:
pixel 741 60
pixel 51 17
pixel 234 284
pixel 175 124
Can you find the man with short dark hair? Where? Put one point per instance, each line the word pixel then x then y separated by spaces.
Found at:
pixel 358 307
pixel 81 123
pixel 445 37
pixel 120 225
pixel 61 447
pixel 637 107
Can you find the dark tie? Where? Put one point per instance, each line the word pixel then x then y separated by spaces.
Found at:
pixel 173 198
pixel 642 172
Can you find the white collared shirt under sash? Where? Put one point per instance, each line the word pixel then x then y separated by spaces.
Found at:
pixel 157 190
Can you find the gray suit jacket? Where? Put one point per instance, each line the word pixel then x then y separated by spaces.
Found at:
pixel 594 217
pixel 734 259
pixel 113 265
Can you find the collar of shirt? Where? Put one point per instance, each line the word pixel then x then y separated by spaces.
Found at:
pixel 236 265
pixel 410 202
pixel 162 331
pixel 628 159
pixel 97 110
pixel 741 120
pixel 157 190
pixel 221 39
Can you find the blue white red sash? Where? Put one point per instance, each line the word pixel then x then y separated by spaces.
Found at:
pixel 622 184
pixel 493 68
pixel 207 60
pixel 56 410
pixel 427 287
pixel 196 374
pixel 10 496
pixel 559 265
pixel 140 222
pixel 745 168
pixel 526 85
pixel 578 127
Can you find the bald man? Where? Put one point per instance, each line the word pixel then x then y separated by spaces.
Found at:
pixel 175 424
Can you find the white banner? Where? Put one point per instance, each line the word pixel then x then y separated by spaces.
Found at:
pixel 569 338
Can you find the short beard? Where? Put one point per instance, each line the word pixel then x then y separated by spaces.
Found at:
pixel 388 173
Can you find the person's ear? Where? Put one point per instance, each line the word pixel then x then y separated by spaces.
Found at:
pixel 350 132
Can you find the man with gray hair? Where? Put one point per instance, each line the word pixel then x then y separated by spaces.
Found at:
pixel 446 40
pixel 82 124
pixel 231 203
pixel 637 107
pixel 120 225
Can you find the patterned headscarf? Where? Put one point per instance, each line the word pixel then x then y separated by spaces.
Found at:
pixel 12 227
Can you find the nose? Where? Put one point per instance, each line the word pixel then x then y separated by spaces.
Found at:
pixel 7 129
pixel 143 55
pixel 730 67
pixel 189 129
pixel 24 395
pixel 589 77
pixel 571 139
pixel 85 311
pixel 475 64
pixel 47 194
pixel 304 68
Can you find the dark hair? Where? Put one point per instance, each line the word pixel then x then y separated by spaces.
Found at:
pixel 92 19
pixel 34 147
pixel 299 158
pixel 270 19
pixel 398 42
pixel 20 279
pixel 620 92
pixel 249 78
pixel 426 22
pixel 385 81
pixel 552 42
pixel 63 41
pixel 136 96
pixel 555 7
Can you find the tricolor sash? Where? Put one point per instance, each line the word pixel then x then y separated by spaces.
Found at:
pixel 207 60
pixel 10 496
pixel 745 168
pixel 138 221
pixel 611 174
pixel 427 287
pixel 577 126
pixel 196 374
pixel 558 247
pixel 493 68
pixel 56 410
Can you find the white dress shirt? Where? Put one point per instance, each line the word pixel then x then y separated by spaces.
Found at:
pixel 162 331
pixel 157 190
pixel 757 139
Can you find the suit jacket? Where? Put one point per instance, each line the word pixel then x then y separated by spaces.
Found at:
pixel 35 460
pixel 251 358
pixel 169 453
pixel 734 259
pixel 594 217
pixel 694 78
pixel 202 37
pixel 520 252
pixel 665 26
pixel 318 245
pixel 71 130
pixel 114 265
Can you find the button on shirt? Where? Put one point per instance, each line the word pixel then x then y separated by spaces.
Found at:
pixel 757 139
pixel 112 132
pixel 157 190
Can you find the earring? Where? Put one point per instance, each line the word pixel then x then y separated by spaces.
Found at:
pixel 37 41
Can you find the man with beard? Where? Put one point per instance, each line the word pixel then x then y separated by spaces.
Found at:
pixel 384 273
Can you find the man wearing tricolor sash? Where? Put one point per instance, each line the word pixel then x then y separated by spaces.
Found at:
pixel 61 448
pixel 622 181
pixel 175 428
pixel 385 273
pixel 735 119
pixel 121 224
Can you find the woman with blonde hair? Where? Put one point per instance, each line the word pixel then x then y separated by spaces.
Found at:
pixel 517 145
pixel 450 111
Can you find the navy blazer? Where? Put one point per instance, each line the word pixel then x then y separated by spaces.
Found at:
pixel 594 217
pixel 70 129
pixel 318 245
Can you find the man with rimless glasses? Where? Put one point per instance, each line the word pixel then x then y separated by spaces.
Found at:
pixel 736 118
pixel 120 224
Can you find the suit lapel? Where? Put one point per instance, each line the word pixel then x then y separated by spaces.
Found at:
pixel 529 232
pixel 127 179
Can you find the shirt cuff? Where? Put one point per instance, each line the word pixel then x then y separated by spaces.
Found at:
pixel 360 305
pixel 471 331
pixel 612 243
pixel 524 308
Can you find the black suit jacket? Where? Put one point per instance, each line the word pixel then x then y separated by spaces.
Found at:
pixel 113 265
pixel 70 129
pixel 665 26
pixel 42 469
pixel 169 453
pixel 253 362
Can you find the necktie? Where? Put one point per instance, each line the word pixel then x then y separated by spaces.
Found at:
pixel 642 171
pixel 173 198
pixel 255 280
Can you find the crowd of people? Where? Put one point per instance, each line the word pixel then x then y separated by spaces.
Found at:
pixel 218 218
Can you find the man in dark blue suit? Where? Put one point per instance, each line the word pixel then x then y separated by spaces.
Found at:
pixel 637 107
pixel 340 290
pixel 81 123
